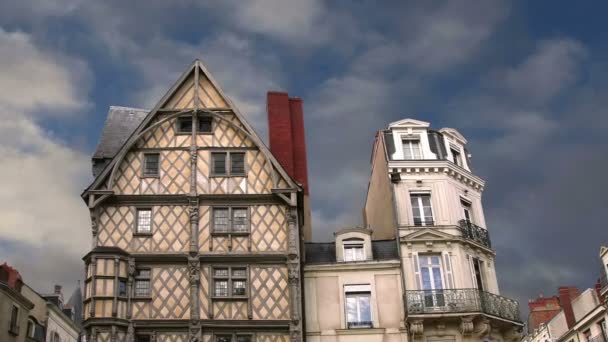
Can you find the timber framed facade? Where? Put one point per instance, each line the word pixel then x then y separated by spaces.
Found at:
pixel 201 241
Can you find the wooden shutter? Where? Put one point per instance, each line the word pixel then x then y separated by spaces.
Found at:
pixel 449 278
pixel 472 270
pixel 416 265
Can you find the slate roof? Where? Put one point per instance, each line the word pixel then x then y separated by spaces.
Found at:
pixel 76 303
pixel 120 123
pixel 325 252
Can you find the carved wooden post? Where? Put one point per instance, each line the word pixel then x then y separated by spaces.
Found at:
pixel 93 286
pixel 94 226
pixel 93 334
pixel 130 281
pixel 293 268
pixel 194 267
pixel 194 217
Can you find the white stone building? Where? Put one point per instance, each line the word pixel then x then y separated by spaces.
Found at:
pixel 422 189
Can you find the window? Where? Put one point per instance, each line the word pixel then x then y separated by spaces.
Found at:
pixel 466 211
pixel 456 156
pixel 142 338
pixel 205 124
pixel 411 149
pixel 142 283
pixel 31 328
pixel 230 282
pixel 221 160
pixel 587 334
pixel 223 338
pixel 353 250
pixel 184 124
pixel 122 288
pixel 228 338
pixel 144 221
pixel 56 337
pixel 151 164
pixel 422 210
pixel 477 270
pixel 231 220
pixel 431 279
pixel 358 309
pixel 13 327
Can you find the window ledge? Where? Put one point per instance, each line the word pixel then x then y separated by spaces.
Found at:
pixel 14 331
pixel 141 298
pixel 360 331
pixel 229 176
pixel 150 176
pixel 143 234
pixel 235 298
pixel 230 233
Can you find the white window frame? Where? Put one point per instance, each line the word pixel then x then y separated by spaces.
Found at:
pixel 419 195
pixel 440 267
pixel 353 244
pixel 463 204
pixel 408 141
pixel 458 150
pixel 358 291
pixel 481 273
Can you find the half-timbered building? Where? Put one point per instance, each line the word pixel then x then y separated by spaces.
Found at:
pixel 196 226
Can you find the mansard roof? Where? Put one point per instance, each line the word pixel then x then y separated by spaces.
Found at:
pixel 325 252
pixel 120 124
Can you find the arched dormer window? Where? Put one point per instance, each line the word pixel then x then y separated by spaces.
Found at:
pixel 353 244
pixel 354 249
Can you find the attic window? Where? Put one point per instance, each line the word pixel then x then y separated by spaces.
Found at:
pixel 411 149
pixel 184 124
pixel 354 250
pixel 204 124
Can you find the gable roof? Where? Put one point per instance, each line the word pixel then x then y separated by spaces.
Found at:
pixel 408 122
pixel 120 124
pixel 199 77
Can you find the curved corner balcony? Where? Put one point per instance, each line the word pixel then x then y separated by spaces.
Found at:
pixel 475 233
pixel 461 301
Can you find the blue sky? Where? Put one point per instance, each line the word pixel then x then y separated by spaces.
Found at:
pixel 525 82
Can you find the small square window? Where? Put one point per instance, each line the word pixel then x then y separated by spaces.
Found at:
pixel 238 287
pixel 151 161
pixel 205 124
pixel 218 161
pixel 184 124
pixel 354 251
pixel 237 164
pixel 144 221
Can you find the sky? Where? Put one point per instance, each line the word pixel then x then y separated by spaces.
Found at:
pixel 525 82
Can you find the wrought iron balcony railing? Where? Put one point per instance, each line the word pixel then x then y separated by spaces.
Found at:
pixel 359 324
pixel 473 232
pixel 603 279
pixel 597 338
pixel 461 301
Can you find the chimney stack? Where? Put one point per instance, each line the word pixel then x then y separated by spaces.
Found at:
pixel 57 289
pixel 566 295
pixel 288 143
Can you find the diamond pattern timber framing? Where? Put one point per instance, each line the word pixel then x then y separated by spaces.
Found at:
pixel 203 170
pixel 104 336
pixel 172 337
pixel 269 292
pixel 204 293
pixel 164 136
pixel 170 293
pixel 204 229
pixel 224 135
pixel 171 229
pixel 258 175
pixel 127 180
pixel 140 309
pixel 271 338
pixel 229 309
pixel 115 227
pixel 175 171
pixel 268 228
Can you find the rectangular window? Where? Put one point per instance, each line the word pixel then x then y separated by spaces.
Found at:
pixel 478 273
pixel 358 306
pixel 142 338
pixel 184 124
pixel 243 338
pixel 122 288
pixel 237 164
pixel 151 161
pixel 205 124
pixel 466 211
pixel 144 221
pixel 411 149
pixel 230 220
pixel 422 210
pixel 456 156
pixel 142 283
pixel 230 282
pixel 223 338
pixel 218 161
pixel 431 279
pixel 354 251
pixel 14 328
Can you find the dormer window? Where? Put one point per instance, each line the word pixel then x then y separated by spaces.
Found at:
pixel 456 156
pixel 411 149
pixel 354 250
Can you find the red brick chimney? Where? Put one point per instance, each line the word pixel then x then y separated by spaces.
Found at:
pixel 566 295
pixel 288 143
pixel 11 277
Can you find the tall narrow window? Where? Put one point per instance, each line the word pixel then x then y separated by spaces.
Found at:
pixel 151 161
pixel 432 280
pixel 220 220
pixel 122 288
pixel 237 164
pixel 466 211
pixel 411 149
pixel 142 283
pixel 13 327
pixel 358 306
pixel 144 221
pixel 31 328
pixel 353 250
pixel 478 273
pixel 421 209
pixel 240 223
pixel 218 161
pixel 456 156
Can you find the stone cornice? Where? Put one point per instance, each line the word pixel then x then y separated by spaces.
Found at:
pixel 352 266
pixel 414 167
pixel 16 296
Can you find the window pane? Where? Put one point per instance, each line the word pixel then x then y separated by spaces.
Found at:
pixel 143 273
pixel 411 149
pixel 353 252
pixel 184 124
pixel 238 287
pixel 237 163
pixel 239 220
pixel 239 273
pixel 220 220
pixel 365 313
pixel 437 279
pixel 151 164
pixel 351 309
pixel 220 272
pixel 416 150
pixel 122 288
pixel 219 163
pixel 144 220
pixel 221 288
pixel 426 278
pixel 204 124
pixel 142 288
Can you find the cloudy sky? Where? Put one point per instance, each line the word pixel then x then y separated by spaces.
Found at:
pixel 525 82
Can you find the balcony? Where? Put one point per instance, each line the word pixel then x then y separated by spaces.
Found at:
pixel 475 233
pixel 603 280
pixel 597 338
pixel 461 301
pixel 360 325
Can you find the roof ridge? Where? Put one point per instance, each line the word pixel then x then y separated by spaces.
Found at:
pixel 130 108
